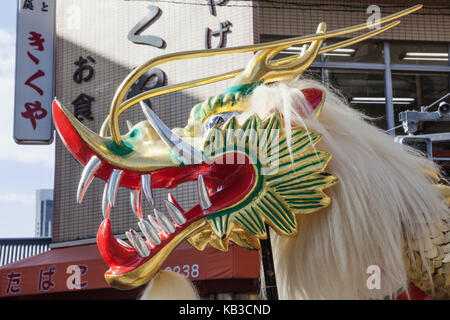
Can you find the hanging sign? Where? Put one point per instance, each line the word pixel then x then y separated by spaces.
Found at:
pixel 34 82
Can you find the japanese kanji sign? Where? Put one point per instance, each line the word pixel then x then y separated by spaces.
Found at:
pixel 34 90
pixel 224 27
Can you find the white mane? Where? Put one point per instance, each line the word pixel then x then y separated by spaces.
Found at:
pixel 383 197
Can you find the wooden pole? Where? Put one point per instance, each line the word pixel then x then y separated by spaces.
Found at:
pixel 268 268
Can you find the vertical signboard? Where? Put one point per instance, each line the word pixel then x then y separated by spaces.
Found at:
pixel 34 89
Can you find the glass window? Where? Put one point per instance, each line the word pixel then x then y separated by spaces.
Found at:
pixel 441 149
pixel 364 91
pixel 313 74
pixel 294 50
pixel 419 53
pixel 367 51
pixel 413 90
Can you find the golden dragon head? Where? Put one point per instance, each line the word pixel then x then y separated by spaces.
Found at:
pixel 249 175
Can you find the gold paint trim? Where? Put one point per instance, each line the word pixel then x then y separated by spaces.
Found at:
pixel 97 144
pixel 145 272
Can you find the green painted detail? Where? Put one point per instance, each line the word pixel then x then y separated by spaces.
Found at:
pixel 294 187
pixel 296 184
pixel 246 223
pixel 215 224
pixel 176 158
pixel 251 220
pixel 299 148
pixel 268 136
pixel 307 207
pixel 273 218
pixel 220 224
pixel 283 182
pixel 300 159
pixel 227 220
pixel 135 134
pixel 295 193
pixel 314 185
pixel 197 111
pixel 120 150
pixel 284 146
pixel 247 226
pixel 286 214
pixel 259 223
pixel 244 89
pixel 304 200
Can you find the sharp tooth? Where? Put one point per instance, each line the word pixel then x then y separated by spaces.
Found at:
pixel 187 153
pixel 129 125
pixel 171 198
pixel 164 222
pixel 135 199
pixel 106 206
pixel 123 243
pixel 203 195
pixel 138 243
pixel 114 183
pixel 154 223
pixel 142 244
pixel 149 232
pixel 146 182
pixel 175 213
pixel 87 176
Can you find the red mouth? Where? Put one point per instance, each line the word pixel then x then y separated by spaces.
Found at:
pixel 227 183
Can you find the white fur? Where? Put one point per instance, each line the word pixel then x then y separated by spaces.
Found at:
pixel 383 197
pixel 169 285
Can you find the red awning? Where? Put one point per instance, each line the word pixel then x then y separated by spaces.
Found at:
pixel 56 270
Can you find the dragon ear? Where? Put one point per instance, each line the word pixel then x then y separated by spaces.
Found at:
pixel 316 100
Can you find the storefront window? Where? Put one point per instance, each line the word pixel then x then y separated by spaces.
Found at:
pixel 413 90
pixel 419 53
pixel 294 50
pixel 361 52
pixel 344 70
pixel 364 91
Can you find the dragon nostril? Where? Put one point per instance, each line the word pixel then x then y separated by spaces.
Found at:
pixel 134 134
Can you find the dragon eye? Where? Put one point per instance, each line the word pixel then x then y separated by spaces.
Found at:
pixel 217 120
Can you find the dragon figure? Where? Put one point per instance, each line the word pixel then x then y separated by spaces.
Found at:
pixel 274 151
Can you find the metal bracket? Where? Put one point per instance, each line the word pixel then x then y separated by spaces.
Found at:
pixel 411 118
pixel 424 143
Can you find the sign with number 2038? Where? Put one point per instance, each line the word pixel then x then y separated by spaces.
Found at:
pixel 189 271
